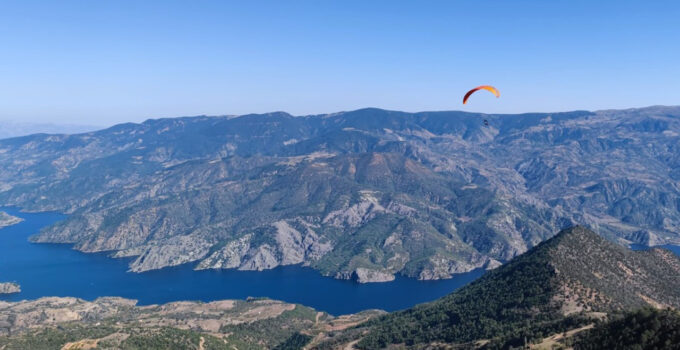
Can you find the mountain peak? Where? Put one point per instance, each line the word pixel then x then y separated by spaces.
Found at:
pixel 578 236
pixel 577 231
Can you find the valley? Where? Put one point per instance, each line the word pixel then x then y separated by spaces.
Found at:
pixel 574 290
pixel 49 270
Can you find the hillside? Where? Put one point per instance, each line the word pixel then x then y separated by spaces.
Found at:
pixel 116 323
pixel 561 284
pixel 365 194
pixel 642 329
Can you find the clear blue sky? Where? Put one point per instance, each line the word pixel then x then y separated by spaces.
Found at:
pixel 102 62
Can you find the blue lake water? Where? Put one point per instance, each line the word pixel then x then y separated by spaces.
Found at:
pixel 674 248
pixel 57 270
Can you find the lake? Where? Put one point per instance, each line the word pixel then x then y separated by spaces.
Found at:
pixel 674 248
pixel 57 270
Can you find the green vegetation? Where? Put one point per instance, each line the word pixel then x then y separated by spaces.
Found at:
pixel 168 339
pixel 53 338
pixel 271 332
pixel 554 287
pixel 506 305
pixel 561 286
pixel 295 342
pixel 164 338
pixel 114 323
pixel 640 330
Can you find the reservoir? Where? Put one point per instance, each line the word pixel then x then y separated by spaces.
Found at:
pixel 57 270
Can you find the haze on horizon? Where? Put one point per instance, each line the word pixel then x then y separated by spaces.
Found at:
pixel 99 63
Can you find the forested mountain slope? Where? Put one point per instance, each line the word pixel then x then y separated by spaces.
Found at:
pixel 642 329
pixel 561 284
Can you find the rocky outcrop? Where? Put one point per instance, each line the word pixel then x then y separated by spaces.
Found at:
pixel 299 246
pixel 365 275
pixel 8 220
pixel 440 267
pixel 289 246
pixel 174 251
pixel 355 215
pixel 261 258
pixel 9 288
pixel 228 257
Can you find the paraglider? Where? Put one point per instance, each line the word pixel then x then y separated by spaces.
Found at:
pixel 489 88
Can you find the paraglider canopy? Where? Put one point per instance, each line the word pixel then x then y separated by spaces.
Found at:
pixel 490 88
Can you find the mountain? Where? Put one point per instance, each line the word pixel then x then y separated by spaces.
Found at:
pixel 365 194
pixel 564 283
pixel 14 129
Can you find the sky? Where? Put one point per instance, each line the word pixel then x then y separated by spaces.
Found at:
pixel 106 62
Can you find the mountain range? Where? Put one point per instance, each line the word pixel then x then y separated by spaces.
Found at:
pixel 362 195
